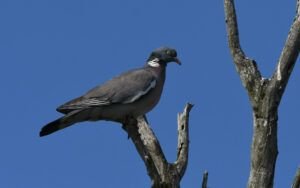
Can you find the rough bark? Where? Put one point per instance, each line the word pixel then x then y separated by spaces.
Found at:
pixel 264 94
pixel 162 173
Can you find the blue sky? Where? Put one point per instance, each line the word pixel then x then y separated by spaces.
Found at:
pixel 52 51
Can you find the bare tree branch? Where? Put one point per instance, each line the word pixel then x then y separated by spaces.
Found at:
pixel 288 55
pixel 296 183
pixel 205 179
pixel 147 145
pixel 183 140
pixel 162 173
pixel 246 67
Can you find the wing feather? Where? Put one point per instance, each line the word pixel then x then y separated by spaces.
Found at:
pixel 126 88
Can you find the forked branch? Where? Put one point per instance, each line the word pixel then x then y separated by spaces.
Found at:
pixel 265 96
pixel 161 172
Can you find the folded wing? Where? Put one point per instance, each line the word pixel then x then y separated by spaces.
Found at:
pixel 126 88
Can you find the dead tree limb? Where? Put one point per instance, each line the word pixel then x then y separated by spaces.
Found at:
pixel 264 94
pixel 162 173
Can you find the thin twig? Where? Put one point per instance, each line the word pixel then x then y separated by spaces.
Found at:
pixel 205 179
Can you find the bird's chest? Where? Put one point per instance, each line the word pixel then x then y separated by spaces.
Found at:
pixel 149 101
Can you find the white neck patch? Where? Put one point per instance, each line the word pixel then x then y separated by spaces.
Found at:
pixel 154 63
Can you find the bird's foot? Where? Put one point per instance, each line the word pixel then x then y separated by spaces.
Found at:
pixel 128 123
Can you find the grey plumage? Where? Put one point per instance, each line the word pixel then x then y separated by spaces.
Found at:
pixel 133 93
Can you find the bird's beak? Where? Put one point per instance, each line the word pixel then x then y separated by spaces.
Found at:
pixel 176 60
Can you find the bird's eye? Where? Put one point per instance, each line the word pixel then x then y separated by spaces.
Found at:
pixel 171 53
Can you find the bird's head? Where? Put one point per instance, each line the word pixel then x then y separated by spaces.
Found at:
pixel 162 56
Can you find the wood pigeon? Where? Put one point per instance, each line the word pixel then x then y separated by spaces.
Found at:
pixel 131 94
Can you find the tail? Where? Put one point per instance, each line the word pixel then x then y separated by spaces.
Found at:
pixel 59 124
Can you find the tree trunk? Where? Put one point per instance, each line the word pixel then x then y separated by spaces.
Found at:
pixel 264 151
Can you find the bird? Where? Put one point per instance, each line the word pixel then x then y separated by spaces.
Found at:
pixel 131 94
